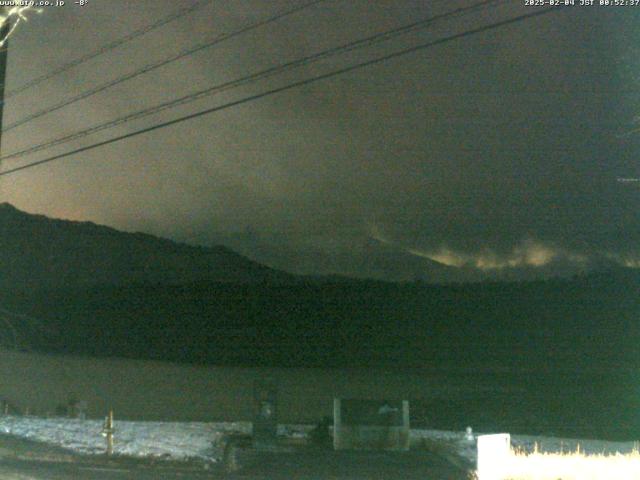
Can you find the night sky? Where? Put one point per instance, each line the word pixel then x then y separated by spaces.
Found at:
pixel 513 147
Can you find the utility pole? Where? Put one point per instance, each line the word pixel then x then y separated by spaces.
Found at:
pixel 4 53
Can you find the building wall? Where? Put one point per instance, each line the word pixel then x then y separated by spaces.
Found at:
pixel 150 390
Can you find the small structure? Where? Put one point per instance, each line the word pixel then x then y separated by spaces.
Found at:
pixel 494 452
pixel 265 421
pixel 370 424
pixel 468 435
pixel 238 448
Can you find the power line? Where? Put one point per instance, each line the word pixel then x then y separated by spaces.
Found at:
pixel 270 72
pixel 153 66
pixel 284 88
pixel 106 48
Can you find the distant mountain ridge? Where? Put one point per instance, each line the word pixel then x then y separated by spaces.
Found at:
pixel 363 259
pixel 37 251
pixel 44 253
pixel 367 258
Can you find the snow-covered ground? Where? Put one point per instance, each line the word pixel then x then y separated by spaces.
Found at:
pixel 180 441
pixel 176 441
pixel 526 443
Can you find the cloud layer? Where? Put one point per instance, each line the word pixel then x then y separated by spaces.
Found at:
pixel 502 150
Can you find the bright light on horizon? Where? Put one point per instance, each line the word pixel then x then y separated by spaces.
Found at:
pixel 529 253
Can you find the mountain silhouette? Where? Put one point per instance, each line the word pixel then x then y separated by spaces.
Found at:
pixel 39 252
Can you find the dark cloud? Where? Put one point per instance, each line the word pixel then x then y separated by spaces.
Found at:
pixel 501 149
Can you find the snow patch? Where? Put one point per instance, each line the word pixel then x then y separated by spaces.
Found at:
pixel 198 440
pixel 177 441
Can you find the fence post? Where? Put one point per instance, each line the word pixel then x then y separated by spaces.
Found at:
pixel 107 431
pixel 494 452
